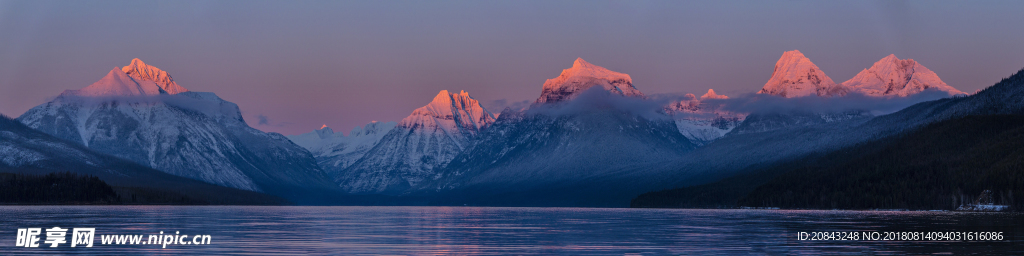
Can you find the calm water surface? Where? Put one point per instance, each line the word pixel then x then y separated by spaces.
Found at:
pixel 286 230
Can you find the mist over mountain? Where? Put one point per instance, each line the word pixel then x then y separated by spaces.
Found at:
pixel 564 152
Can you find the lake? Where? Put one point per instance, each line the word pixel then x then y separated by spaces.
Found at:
pixel 290 230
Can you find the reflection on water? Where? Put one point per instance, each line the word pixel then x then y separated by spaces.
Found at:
pixel 289 230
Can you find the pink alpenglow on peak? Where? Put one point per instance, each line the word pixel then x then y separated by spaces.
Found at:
pixel 796 76
pixel 712 95
pixel 892 76
pixel 136 79
pixel 324 132
pixel 452 112
pixel 139 71
pixel 116 83
pixel 583 76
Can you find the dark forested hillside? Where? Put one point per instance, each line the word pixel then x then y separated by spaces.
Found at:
pixel 940 166
pixel 54 188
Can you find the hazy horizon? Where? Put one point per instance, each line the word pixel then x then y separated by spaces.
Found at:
pixel 300 65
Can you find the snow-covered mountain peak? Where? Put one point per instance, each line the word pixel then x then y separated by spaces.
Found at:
pixel 582 76
pixel 409 153
pixel 139 71
pixel 580 64
pixel 451 112
pixel 703 121
pixel 712 95
pixel 195 135
pixel 325 141
pixel 796 76
pixel 892 76
pixel 324 132
pixel 116 83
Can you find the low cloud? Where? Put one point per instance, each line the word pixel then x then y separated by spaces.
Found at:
pixel 596 98
pixel 761 103
pixel 264 120
pixel 653 106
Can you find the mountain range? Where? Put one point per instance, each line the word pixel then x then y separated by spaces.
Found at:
pixel 589 129
pixel 591 138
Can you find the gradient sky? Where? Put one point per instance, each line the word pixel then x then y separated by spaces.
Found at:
pixel 300 64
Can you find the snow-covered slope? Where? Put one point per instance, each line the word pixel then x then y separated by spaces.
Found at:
pixel 190 134
pixel 27 151
pixel 700 120
pixel 410 152
pixel 334 151
pixel 796 76
pixel 523 151
pixel 891 76
pixel 582 76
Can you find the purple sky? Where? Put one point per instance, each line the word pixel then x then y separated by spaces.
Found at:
pixel 300 64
